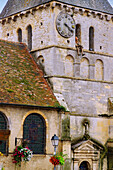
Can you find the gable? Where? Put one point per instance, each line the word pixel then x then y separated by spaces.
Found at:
pixel 87 146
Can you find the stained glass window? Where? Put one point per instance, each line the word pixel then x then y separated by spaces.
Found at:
pixel 3 125
pixel 34 131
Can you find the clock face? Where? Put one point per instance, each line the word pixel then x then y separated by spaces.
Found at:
pixel 65 25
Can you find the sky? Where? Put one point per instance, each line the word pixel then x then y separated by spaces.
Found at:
pixel 3 2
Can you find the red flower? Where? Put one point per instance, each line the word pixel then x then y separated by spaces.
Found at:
pixel 54 160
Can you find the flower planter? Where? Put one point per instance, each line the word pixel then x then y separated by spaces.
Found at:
pixel 58 160
pixel 21 154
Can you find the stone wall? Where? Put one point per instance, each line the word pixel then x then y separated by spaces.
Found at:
pixel 83 89
pixel 55 63
pixel 44 33
pixel 16 117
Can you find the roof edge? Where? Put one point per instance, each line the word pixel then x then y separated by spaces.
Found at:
pixel 110 13
pixel 27 105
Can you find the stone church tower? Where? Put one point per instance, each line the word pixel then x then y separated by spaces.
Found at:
pixel 71 41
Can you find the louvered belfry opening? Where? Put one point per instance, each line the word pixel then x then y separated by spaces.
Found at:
pixel 34 132
pixel 78 32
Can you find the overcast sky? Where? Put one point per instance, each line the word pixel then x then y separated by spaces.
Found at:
pixel 3 2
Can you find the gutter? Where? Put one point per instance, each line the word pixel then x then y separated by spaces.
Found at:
pixel 35 106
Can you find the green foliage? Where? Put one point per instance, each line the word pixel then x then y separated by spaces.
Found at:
pixel 17 155
pixel 66 128
pixel 60 107
pixel 60 157
pixel 21 154
pixel 61 160
pixel 3 168
pixel 10 90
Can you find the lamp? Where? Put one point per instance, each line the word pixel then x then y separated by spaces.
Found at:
pixel 55 141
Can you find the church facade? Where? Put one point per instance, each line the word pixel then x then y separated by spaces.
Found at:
pixel 71 42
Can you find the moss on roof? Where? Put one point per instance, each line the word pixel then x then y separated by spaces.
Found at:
pixel 21 80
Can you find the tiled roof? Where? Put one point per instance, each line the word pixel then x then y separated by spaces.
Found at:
pixel 21 80
pixel 15 6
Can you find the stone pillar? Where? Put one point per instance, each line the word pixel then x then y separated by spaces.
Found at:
pixel 76 167
pixel 92 71
pixel 66 148
pixel 105 164
pixel 95 165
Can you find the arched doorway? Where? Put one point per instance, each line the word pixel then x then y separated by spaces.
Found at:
pixel 84 166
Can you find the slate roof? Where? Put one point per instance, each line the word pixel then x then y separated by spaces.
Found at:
pixel 15 6
pixel 21 80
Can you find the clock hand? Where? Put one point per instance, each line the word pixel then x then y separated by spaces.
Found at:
pixel 68 27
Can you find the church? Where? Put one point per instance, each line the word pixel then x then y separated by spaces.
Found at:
pixel 56 59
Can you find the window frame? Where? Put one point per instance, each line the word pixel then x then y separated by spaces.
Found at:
pixel 91 38
pixel 29 37
pixel 19 32
pixel 44 131
pixel 4 134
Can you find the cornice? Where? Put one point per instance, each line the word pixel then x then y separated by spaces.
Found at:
pixel 68 8
pixel 70 48
pixel 79 79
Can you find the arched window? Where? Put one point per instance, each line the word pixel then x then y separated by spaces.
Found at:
pixel 78 32
pixel 99 70
pixel 69 69
pixel 19 32
pixel 3 126
pixel 40 62
pixel 84 68
pixel 91 39
pixel 34 131
pixel 29 37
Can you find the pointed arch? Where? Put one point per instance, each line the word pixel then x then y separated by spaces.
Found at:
pixel 29 37
pixel 99 70
pixel 19 32
pixel 78 32
pixel 84 68
pixel 69 68
pixel 91 38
